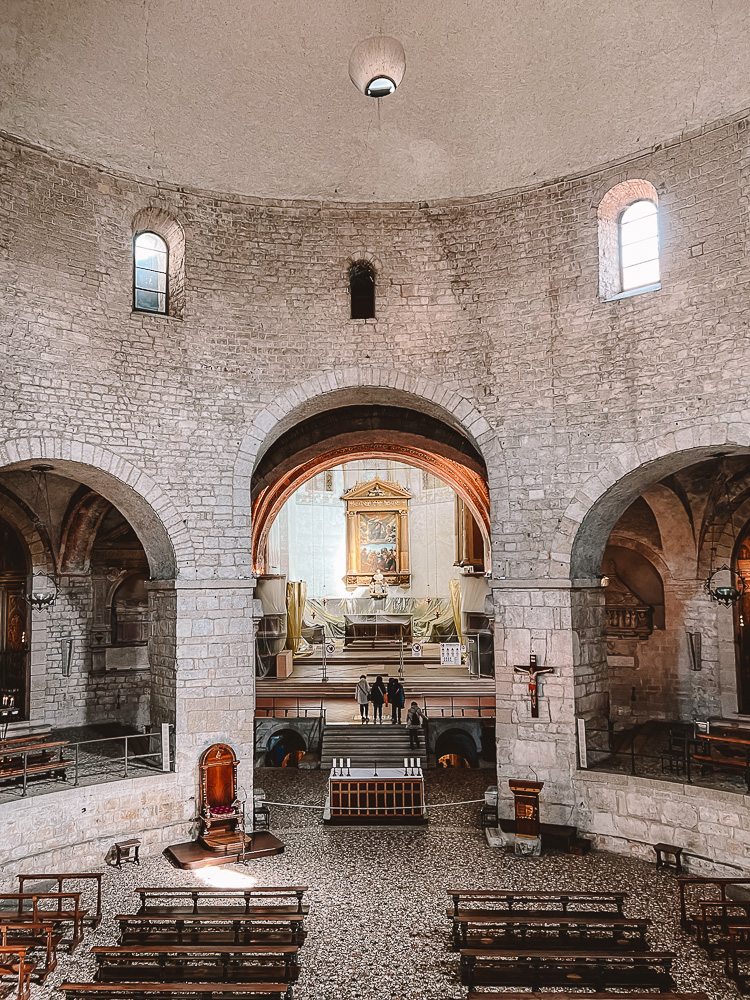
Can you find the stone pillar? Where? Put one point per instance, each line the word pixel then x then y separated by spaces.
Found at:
pixel 559 623
pixel 202 653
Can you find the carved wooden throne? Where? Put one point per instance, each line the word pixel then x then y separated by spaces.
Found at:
pixel 221 813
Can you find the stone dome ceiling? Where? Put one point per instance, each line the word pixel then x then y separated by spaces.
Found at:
pixel 254 96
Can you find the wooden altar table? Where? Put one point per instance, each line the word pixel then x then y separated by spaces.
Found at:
pixel 380 625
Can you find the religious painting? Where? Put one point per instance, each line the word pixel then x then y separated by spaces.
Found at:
pixel 378 542
pixel 377 517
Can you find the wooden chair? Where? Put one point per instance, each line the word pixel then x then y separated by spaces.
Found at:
pixel 221 812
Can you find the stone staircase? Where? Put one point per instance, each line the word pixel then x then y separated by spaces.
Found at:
pixel 385 745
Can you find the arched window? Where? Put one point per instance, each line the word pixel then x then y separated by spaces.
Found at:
pixel 628 218
pixel 150 266
pixel 362 289
pixel 639 245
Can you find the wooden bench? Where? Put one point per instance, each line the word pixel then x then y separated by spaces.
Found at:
pixel 563 930
pixel 587 904
pixel 716 918
pixel 564 995
pixel 30 908
pixel 200 962
pixel 91 917
pixel 15 966
pixel 219 928
pixel 696 889
pixel 202 900
pixel 35 937
pixel 738 944
pixel 718 750
pixel 206 991
pixel 537 969
pixel 15 769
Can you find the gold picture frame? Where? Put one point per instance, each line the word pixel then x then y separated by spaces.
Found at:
pixel 377 533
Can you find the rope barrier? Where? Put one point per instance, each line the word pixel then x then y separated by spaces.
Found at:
pixel 439 805
pixel 431 805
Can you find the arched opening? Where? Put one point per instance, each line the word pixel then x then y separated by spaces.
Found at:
pixel 90 663
pixel 366 431
pixel 371 543
pixel 456 748
pixel 286 747
pixel 655 652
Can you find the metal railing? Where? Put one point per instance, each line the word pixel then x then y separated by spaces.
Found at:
pixel 680 755
pixel 87 762
pixel 458 707
pixel 288 708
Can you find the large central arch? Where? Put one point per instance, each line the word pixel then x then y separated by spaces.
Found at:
pixel 366 431
pixel 359 414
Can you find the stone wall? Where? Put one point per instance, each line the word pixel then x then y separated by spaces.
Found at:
pixel 72 829
pixel 628 815
pixel 487 313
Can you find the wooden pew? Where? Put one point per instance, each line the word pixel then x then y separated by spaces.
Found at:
pixel 738 944
pixel 217 928
pixel 56 908
pixel 728 752
pixel 697 889
pixel 27 757
pixel 202 991
pixel 593 904
pixel 91 917
pixel 35 937
pixel 15 966
pixel 549 931
pixel 203 900
pixel 715 921
pixel 573 995
pixel 535 970
pixel 199 962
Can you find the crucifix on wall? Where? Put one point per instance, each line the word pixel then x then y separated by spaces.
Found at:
pixel 533 671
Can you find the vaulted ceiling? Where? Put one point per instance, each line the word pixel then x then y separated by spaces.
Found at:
pixel 253 96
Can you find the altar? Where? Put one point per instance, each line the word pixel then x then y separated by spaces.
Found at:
pixel 364 795
pixel 380 625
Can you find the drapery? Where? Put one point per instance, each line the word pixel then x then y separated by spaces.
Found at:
pixel 455 592
pixel 426 617
pixel 296 594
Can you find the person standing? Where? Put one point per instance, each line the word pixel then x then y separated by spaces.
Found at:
pixel 414 723
pixel 377 694
pixel 396 699
pixel 362 697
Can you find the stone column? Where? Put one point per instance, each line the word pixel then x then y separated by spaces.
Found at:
pixel 203 671
pixel 559 622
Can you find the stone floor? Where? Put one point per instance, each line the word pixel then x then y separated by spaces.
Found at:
pixel 377 924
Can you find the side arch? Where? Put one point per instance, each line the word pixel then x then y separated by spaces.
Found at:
pixel 600 501
pixel 154 518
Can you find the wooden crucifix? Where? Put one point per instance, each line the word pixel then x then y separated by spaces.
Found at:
pixel 533 671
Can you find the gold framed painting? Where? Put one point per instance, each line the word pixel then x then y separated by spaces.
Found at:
pixel 377 532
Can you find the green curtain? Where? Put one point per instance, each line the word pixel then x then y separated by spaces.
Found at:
pixel 296 595
pixel 455 592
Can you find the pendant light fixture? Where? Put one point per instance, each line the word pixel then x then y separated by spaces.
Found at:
pixel 377 65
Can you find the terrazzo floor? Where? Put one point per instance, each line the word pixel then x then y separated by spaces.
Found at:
pixel 377 924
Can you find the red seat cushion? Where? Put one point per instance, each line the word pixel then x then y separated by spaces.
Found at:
pixel 220 810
